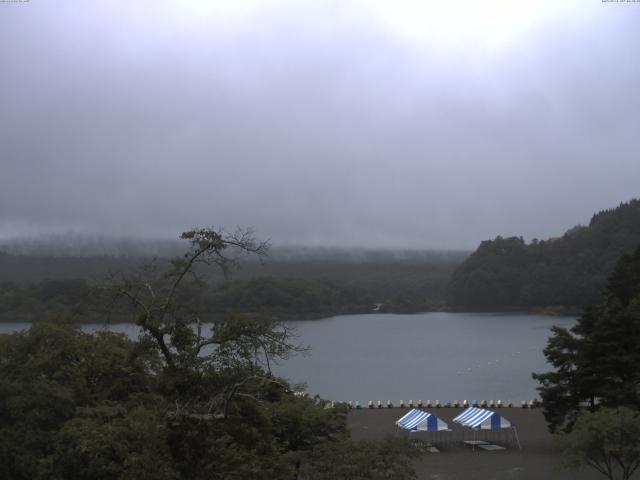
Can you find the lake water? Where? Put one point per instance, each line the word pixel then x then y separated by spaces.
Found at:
pixel 435 356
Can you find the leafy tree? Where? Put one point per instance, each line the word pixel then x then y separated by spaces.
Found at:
pixel 155 294
pixel 186 401
pixel 112 440
pixel 206 367
pixel 47 375
pixel 607 440
pixel 597 362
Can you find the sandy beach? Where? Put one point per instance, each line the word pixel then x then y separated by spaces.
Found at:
pixel 538 459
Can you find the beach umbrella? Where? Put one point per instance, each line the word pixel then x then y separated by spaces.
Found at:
pixel 421 421
pixel 483 419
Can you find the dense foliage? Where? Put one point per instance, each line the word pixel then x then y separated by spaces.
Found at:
pixel 188 400
pixel 567 272
pixel 597 362
pixel 296 288
pixel 607 440
pixel 286 297
pixel 272 296
pixel 81 406
pixel 58 382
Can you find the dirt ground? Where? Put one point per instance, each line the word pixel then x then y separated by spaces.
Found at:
pixel 539 458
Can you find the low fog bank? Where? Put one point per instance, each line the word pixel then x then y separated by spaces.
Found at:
pixel 78 245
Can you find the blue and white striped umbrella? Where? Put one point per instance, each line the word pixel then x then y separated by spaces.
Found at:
pixel 421 421
pixel 482 419
pixel 468 412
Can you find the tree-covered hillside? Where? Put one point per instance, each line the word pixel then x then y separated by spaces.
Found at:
pixel 567 272
pixel 283 298
pixel 291 283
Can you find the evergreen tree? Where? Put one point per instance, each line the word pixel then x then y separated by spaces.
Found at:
pixel 597 362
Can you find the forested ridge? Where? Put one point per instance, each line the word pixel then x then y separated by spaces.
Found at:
pixel 315 283
pixel 284 298
pixel 560 274
pixel 563 274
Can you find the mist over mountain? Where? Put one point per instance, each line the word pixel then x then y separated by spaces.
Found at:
pixel 81 245
pixel 376 124
pixel 66 274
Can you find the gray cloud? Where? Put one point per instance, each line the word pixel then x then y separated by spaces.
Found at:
pixel 313 126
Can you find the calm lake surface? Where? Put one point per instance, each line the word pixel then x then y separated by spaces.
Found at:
pixel 434 356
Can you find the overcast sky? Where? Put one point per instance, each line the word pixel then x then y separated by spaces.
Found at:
pixel 372 123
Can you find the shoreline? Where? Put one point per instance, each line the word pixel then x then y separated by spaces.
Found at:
pixel 539 458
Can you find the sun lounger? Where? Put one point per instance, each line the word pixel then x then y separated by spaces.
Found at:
pixel 475 443
pixel 491 447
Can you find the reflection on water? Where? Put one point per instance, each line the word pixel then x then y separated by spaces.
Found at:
pixel 435 356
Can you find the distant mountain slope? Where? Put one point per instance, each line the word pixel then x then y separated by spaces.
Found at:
pixel 294 282
pixel 568 272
